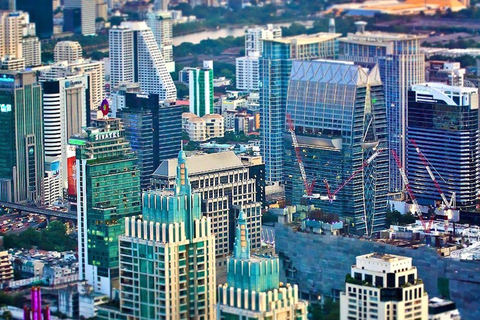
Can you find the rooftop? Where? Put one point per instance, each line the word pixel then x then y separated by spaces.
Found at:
pixel 307 39
pixel 384 257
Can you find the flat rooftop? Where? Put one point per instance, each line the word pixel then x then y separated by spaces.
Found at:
pixel 307 39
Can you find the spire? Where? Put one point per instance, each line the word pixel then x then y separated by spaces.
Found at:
pixel 182 185
pixel 242 241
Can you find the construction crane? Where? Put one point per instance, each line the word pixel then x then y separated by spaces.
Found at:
pixel 308 186
pixel 333 195
pixel 448 206
pixel 416 208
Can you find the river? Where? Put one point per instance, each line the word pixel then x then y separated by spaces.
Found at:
pixel 225 32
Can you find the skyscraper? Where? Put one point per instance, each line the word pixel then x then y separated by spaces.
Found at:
pixel 70 51
pixel 21 129
pixel 87 15
pixel 41 12
pixel 275 67
pixel 169 131
pixel 444 122
pixel 339 117
pixel 200 84
pixel 167 257
pixel 401 65
pixel 108 191
pixel 160 22
pixel 383 286
pixel 135 57
pixel 253 289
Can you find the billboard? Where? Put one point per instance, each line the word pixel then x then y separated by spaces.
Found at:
pixel 72 176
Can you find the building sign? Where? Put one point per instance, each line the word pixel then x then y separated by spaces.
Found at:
pixel 69 83
pixel 107 135
pixel 7 78
pixel 72 176
pixel 5 107
pixel 144 96
pixel 77 142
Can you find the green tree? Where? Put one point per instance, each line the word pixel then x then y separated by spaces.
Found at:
pixel 7 315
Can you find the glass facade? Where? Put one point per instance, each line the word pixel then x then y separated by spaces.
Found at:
pixel 338 111
pixel 444 123
pixel 169 131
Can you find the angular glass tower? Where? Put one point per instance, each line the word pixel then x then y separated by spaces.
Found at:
pixel 253 289
pixel 338 111
pixel 167 258
pixel 108 191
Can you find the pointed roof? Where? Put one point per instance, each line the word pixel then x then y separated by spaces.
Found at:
pixel 241 248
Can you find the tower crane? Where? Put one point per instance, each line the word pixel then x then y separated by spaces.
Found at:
pixel 447 206
pixel 416 208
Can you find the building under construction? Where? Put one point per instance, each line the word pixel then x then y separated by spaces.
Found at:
pixel 337 137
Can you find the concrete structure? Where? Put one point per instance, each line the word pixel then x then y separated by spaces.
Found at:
pixel 253 289
pixel 6 269
pixel 225 184
pixel 139 60
pixel 388 285
pixel 445 72
pixel 441 309
pixel 275 68
pixel 214 125
pixel 118 94
pixel 161 24
pixel 52 189
pixel 401 65
pixel 255 36
pixel 69 51
pixel 31 51
pixel 201 129
pixel 104 162
pixel 200 84
pixel 444 122
pixel 339 117
pixel 171 251
pixel 87 14
pixel 21 129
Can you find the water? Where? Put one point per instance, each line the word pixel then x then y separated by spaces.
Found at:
pixel 225 32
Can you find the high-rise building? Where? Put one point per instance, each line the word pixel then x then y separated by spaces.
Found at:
pixel 21 129
pixel 160 22
pixel 66 110
pixel 167 257
pixel 87 14
pixel 160 5
pixel 339 117
pixel 200 84
pixel 401 65
pixel 383 286
pixel 135 57
pixel 225 183
pixel 7 5
pixel 69 51
pixel 6 269
pixel 101 10
pixel 445 72
pixel 275 66
pixel 108 191
pixel 443 121
pixel 253 289
pixel 31 51
pixel 72 20
pixel 41 13
pixel 169 130
pixel 52 188
pixel 255 36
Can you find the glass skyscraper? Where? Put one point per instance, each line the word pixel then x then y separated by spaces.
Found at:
pixel 21 132
pixel 274 68
pixel 401 65
pixel 444 122
pixel 338 111
pixel 108 191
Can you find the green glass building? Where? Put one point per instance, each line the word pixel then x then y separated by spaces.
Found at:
pixel 201 89
pixel 21 132
pixel 167 258
pixel 108 191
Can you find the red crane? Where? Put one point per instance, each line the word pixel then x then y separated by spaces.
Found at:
pixel 426 225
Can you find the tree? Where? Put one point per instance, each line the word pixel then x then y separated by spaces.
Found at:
pixel 7 315
pixel 116 21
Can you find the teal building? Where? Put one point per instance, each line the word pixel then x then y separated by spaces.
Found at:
pixel 21 132
pixel 167 258
pixel 200 85
pixel 253 289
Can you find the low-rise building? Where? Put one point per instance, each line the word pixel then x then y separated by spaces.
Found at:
pixel 441 309
pixel 6 269
pixel 203 128
pixel 214 125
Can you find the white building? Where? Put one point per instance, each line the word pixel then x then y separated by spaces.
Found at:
pixel 214 125
pixel 254 36
pixel 246 71
pixel 139 61
pixel 32 51
pixel 441 309
pixel 160 22
pixel 383 287
pixel 67 51
pixel 203 128
pixel 52 188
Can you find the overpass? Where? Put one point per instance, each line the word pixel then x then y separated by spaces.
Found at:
pixel 45 212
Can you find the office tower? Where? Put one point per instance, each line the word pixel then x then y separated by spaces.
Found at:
pixel 21 129
pixel 401 65
pixel 31 51
pixel 135 57
pixel 41 13
pixel 160 22
pixel 225 183
pixel 7 5
pixel 101 10
pixel 200 84
pixel 338 112
pixel 167 257
pixel 94 69
pixel 445 72
pixel 108 191
pixel 169 131
pixel 275 67
pixel 66 110
pixel 247 72
pixel 140 120
pixel 383 286
pixel 253 289
pixel 87 15
pixel 444 123
pixel 72 20
pixel 69 51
